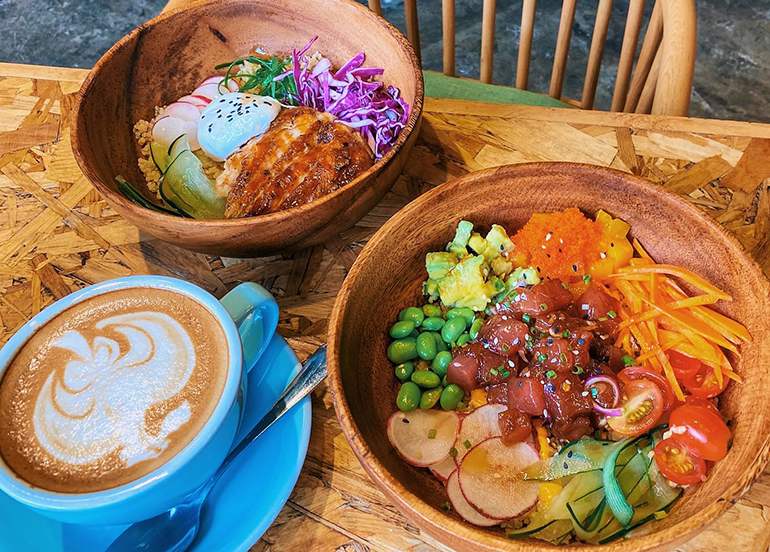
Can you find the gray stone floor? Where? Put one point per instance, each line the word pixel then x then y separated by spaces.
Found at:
pixel 732 78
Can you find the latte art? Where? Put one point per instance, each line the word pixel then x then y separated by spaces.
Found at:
pixel 111 389
pixel 97 403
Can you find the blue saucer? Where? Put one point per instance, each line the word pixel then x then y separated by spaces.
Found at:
pixel 244 502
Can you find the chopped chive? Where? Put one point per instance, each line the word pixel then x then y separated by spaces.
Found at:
pixel 467 444
pixel 542 357
pixel 612 314
pixel 543 307
pixel 577 370
pixel 563 358
pixel 586 278
pixel 566 333
pixel 628 360
pixel 453 452
pixel 432 434
pixel 526 318
pixel 550 374
pixel 506 373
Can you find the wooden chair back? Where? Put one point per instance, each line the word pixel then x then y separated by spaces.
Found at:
pixel 659 82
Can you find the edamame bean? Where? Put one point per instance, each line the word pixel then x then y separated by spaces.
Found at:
pixel 451 396
pixel 465 312
pixel 440 345
pixel 463 339
pixel 441 363
pixel 476 328
pixel 408 397
pixel 432 323
pixel 430 398
pixel 426 346
pixel 401 329
pixel 412 313
pixel 426 379
pixel 402 350
pixel 453 328
pixel 404 370
pixel 431 310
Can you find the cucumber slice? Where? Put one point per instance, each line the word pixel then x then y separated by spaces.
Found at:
pixel 179 144
pixel 185 185
pixel 580 456
pixel 128 190
pixel 555 532
pixel 159 156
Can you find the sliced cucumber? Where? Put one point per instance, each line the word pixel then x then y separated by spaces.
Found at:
pixel 577 457
pixel 159 156
pixel 179 144
pixel 128 190
pixel 555 532
pixel 186 186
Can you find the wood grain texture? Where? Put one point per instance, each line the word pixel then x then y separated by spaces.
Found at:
pixel 563 38
pixel 525 43
pixel 102 127
pixel 335 506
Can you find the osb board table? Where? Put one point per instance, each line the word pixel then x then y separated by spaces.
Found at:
pixel 58 235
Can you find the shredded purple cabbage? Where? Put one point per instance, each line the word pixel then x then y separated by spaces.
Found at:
pixel 377 111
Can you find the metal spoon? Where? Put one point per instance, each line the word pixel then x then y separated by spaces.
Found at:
pixel 175 530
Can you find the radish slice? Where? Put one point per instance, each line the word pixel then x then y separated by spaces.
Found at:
pixel 423 437
pixel 167 129
pixel 477 426
pixel 463 507
pixel 209 91
pixel 442 470
pixel 184 111
pixel 491 479
pixel 204 99
pixel 216 79
pixel 195 100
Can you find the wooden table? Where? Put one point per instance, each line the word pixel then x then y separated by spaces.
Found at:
pixel 58 235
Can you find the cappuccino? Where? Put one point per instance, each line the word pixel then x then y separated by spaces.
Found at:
pixel 111 389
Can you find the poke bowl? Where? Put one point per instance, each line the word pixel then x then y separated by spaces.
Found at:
pixel 318 105
pixel 461 273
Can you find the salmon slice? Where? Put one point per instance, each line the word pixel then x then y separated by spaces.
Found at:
pixel 303 156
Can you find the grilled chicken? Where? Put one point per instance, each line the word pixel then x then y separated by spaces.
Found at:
pixel 304 155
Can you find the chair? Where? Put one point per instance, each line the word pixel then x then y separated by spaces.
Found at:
pixel 660 82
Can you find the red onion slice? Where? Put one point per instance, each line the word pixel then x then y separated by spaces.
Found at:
pixel 612 411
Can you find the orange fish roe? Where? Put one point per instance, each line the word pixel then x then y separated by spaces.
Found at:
pixel 561 244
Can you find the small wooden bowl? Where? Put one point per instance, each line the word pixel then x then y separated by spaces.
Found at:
pixel 168 56
pixel 388 274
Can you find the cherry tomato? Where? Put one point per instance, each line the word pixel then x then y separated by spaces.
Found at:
pixel 642 408
pixel 704 384
pixel 706 434
pixel 637 372
pixel 678 463
pixel 682 364
pixel 698 401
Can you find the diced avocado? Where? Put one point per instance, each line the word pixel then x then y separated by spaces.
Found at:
pixel 460 241
pixel 438 264
pixel 185 185
pixel 499 240
pixel 501 266
pixel 466 285
pixel 482 247
pixel 529 275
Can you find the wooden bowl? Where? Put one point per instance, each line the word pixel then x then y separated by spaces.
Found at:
pixel 168 56
pixel 388 274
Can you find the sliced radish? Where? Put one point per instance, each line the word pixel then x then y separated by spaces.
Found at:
pixel 444 468
pixel 423 437
pixel 463 507
pixel 216 79
pixel 204 99
pixel 209 91
pixel 185 111
pixel 167 129
pixel 491 478
pixel 195 100
pixel 477 426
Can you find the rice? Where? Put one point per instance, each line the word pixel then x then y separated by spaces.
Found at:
pixel 143 136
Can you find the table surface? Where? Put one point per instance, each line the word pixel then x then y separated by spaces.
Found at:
pixel 57 235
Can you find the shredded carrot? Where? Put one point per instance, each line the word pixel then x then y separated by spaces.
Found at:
pixel 657 315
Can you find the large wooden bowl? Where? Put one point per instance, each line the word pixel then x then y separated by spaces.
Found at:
pixel 167 57
pixel 387 276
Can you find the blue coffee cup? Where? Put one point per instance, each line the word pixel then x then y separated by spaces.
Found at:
pixel 248 316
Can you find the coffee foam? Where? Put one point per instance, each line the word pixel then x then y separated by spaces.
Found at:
pixel 96 399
